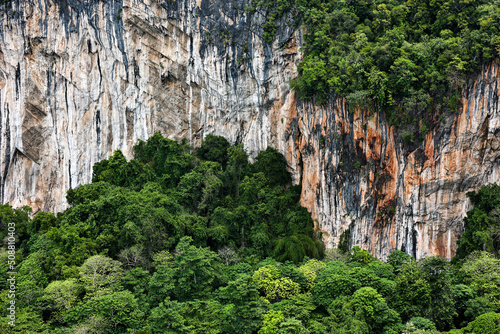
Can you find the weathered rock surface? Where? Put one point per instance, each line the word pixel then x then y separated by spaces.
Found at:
pixel 80 79
pixel 357 175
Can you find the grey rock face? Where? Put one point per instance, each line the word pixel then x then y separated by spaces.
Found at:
pixel 80 79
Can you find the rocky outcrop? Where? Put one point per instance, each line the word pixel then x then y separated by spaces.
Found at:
pixel 358 175
pixel 80 79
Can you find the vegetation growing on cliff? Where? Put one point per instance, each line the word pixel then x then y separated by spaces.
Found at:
pixel 171 242
pixel 404 57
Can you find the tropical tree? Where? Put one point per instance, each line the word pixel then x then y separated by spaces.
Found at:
pixel 101 274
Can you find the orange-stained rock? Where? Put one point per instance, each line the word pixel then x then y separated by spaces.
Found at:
pixel 414 201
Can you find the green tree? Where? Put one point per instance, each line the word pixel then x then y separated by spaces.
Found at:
pixel 422 323
pixel 203 316
pixel 20 218
pixel 273 165
pixel 271 323
pixel 214 148
pixel 411 292
pixel 197 270
pixel 482 272
pixel 365 312
pixel 379 317
pixel 60 296
pixel 333 282
pixel 299 307
pixel 28 320
pixel 296 247
pixel 476 307
pixel 100 274
pixel 137 281
pixel 32 279
pixel 462 294
pixel 275 323
pixel 488 323
pixel 167 157
pixel 244 309
pixel 94 324
pixel 273 286
pixel 161 285
pixel 237 168
pixel 360 255
pixel 119 308
pixel 398 259
pixel 310 270
pixel 167 318
pixel 441 309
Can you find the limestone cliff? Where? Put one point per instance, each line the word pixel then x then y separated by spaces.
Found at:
pixel 80 79
pixel 357 174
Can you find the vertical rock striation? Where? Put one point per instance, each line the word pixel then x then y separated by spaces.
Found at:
pixel 357 174
pixel 80 79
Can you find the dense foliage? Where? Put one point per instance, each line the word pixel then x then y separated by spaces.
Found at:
pixel 171 242
pixel 400 56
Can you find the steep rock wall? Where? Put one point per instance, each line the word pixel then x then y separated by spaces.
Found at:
pixel 80 79
pixel 358 175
